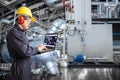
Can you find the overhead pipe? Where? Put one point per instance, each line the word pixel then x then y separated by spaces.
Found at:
pixel 10 12
pixel 99 11
pixel 110 7
pixel 51 3
pixel 116 1
pixel 57 25
pixel 113 8
pixel 10 7
pixel 6 21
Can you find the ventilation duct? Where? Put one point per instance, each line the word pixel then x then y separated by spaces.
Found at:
pixel 7 1
pixel 57 25
pixel 51 3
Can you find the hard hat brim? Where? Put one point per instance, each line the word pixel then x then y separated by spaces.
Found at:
pixel 32 19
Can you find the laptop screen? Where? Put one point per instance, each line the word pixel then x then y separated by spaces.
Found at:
pixel 50 40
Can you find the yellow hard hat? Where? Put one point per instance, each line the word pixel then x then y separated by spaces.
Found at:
pixel 25 11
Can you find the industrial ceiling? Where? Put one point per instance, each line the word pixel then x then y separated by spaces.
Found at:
pixel 8 7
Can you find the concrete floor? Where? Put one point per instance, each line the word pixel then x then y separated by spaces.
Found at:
pixel 82 74
pixel 72 73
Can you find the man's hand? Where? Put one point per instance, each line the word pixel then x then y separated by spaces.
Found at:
pixel 41 48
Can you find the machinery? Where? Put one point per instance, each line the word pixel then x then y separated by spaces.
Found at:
pixel 87 33
pixel 75 25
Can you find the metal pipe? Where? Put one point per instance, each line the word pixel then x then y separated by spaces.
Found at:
pixel 110 7
pixel 7 14
pixel 116 1
pixel 6 21
pixel 99 10
pixel 96 0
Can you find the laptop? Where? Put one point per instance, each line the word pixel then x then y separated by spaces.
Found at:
pixel 50 41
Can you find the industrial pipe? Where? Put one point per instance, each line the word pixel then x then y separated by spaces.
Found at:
pixel 6 21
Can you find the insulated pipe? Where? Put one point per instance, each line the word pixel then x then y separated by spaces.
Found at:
pixel 6 21
pixel 10 12
pixel 110 7
pixel 57 25
pixel 115 5
pixel 116 1
pixel 99 10
pixel 51 3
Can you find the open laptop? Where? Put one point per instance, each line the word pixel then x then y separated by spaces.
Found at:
pixel 50 41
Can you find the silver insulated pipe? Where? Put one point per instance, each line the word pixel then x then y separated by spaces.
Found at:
pixel 51 3
pixel 6 21
pixel 57 25
pixel 49 60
